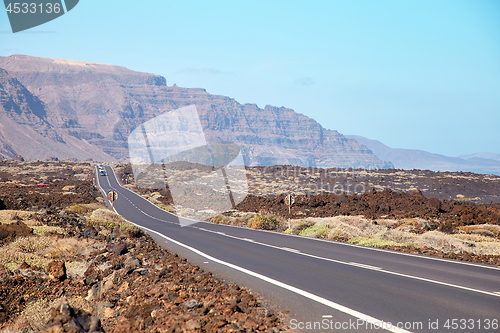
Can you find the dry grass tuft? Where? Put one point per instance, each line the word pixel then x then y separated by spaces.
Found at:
pixel 403 233
pixel 42 229
pixel 488 229
pixel 297 227
pixel 68 248
pixel 39 251
pixel 110 220
pixel 86 209
pixel 76 269
pixel 34 316
pixel 25 249
pixel 31 244
pixel 11 216
pixel 344 231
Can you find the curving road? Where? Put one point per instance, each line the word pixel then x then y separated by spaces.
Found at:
pixel 329 286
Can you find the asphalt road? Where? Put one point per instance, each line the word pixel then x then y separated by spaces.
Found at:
pixel 329 286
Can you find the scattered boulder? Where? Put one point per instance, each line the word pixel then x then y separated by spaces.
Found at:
pixel 131 263
pixel 192 325
pixel 63 318
pixel 92 275
pixel 89 232
pixel 434 203
pixel 120 248
pixel 8 232
pixel 56 270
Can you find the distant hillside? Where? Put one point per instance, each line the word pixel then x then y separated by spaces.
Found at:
pixel 488 156
pixel 86 110
pixel 25 128
pixel 409 159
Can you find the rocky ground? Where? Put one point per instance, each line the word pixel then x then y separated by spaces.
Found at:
pixel 278 180
pixel 464 186
pixel 60 249
pixel 69 265
pixel 444 215
pixel 451 215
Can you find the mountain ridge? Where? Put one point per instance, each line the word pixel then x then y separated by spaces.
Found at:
pixel 409 159
pixel 98 105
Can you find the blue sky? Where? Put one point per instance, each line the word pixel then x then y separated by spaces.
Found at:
pixel 412 74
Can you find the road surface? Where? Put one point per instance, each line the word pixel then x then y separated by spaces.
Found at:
pixel 329 286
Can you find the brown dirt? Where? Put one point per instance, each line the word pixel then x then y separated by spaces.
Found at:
pixel 313 181
pixel 396 198
pixel 140 287
pixel 20 190
pixel 8 232
pixel 388 204
pixel 161 293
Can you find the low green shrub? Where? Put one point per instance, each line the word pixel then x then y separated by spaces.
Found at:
pixel 112 221
pixel 263 222
pixel 42 229
pixel 318 231
pixel 301 225
pixel 373 242
pixel 25 249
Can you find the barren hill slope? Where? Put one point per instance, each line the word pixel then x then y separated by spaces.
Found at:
pixel 101 104
pixel 25 128
pixel 408 159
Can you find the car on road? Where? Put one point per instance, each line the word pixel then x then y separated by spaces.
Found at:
pixel 102 172
pixel 44 184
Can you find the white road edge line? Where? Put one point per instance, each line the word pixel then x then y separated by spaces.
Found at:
pixel 364 266
pixel 388 326
pixel 450 261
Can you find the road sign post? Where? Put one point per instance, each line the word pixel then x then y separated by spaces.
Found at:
pixel 112 196
pixel 289 200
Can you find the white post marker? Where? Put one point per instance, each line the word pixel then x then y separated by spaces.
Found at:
pixel 289 202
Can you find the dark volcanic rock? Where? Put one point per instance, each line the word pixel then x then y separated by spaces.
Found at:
pixel 89 232
pixel 65 319
pixel 374 204
pixel 10 231
pixel 92 275
pixel 120 248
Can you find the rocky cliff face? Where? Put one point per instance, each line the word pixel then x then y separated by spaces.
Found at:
pixel 98 106
pixel 25 127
